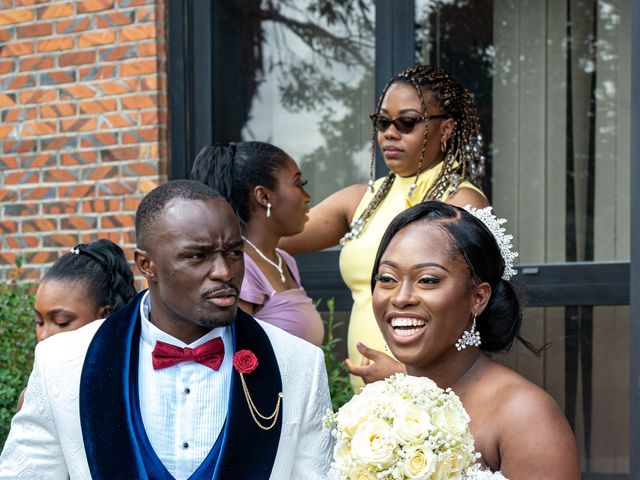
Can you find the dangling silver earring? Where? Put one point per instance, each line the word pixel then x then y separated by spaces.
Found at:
pixel 469 338
pixel 268 209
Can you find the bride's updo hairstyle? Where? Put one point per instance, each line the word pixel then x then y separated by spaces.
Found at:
pixel 500 321
pixel 234 169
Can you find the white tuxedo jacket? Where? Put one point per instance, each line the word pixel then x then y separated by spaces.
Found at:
pixel 73 423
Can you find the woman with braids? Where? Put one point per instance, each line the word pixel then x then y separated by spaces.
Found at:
pixel 427 127
pixel 90 282
pixel 265 188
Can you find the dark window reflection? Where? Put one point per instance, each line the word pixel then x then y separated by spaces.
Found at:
pixel 458 36
pixel 298 74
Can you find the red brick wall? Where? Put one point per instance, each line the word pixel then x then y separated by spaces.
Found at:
pixel 83 123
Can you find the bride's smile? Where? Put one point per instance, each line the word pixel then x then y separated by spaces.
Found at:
pixel 407 326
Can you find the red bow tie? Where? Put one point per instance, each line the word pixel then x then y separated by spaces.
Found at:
pixel 209 353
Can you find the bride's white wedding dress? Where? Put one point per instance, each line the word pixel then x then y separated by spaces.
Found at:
pixel 488 475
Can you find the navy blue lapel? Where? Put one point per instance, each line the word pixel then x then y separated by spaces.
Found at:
pixel 248 452
pixel 107 432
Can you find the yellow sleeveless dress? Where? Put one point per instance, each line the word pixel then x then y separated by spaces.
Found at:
pixel 358 255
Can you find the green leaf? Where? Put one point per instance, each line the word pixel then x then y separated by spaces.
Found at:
pixel 339 382
pixel 17 343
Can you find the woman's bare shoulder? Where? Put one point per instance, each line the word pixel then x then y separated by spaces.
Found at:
pixel 519 405
pixel 468 196
pixel 511 394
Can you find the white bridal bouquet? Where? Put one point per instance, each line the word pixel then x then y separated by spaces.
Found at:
pixel 400 428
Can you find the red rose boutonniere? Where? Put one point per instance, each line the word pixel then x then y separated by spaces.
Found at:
pixel 245 362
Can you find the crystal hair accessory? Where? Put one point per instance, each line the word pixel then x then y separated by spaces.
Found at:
pixel 494 224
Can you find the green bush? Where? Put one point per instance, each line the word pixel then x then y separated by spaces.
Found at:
pixel 17 342
pixel 339 382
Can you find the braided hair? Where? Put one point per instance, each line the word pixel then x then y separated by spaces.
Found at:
pixel 235 169
pixel 463 159
pixel 103 266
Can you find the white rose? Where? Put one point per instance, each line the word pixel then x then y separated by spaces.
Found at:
pixel 450 420
pixel 375 388
pixel 341 456
pixel 361 472
pixel 388 404
pixel 451 467
pixel 420 383
pixel 412 423
pixel 353 413
pixel 374 443
pixel 419 463
pixel 379 397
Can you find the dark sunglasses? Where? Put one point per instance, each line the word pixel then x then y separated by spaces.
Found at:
pixel 402 124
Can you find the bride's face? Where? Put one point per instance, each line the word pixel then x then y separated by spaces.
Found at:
pixel 424 298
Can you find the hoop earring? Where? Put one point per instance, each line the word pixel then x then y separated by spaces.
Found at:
pixel 469 338
pixel 268 209
pixel 443 145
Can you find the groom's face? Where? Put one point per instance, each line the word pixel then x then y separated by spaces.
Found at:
pixel 195 265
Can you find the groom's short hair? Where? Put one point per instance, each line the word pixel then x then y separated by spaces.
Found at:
pixel 153 204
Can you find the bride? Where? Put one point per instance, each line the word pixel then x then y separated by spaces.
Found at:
pixel 443 301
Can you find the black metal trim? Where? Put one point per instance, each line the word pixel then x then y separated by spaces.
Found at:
pixel 190 80
pixel 575 284
pixel 634 348
pixel 177 66
pixel 605 476
pixel 321 278
pixel 395 47
pixel 202 81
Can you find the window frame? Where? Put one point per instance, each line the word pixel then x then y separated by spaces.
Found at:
pixel 634 281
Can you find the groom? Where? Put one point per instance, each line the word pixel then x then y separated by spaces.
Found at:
pixel 180 383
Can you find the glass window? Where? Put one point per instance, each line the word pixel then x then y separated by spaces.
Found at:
pixel 312 85
pixel 585 367
pixel 551 81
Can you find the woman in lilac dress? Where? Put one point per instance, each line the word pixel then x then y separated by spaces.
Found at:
pixel 265 188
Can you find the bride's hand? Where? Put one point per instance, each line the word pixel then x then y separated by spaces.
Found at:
pixel 375 365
